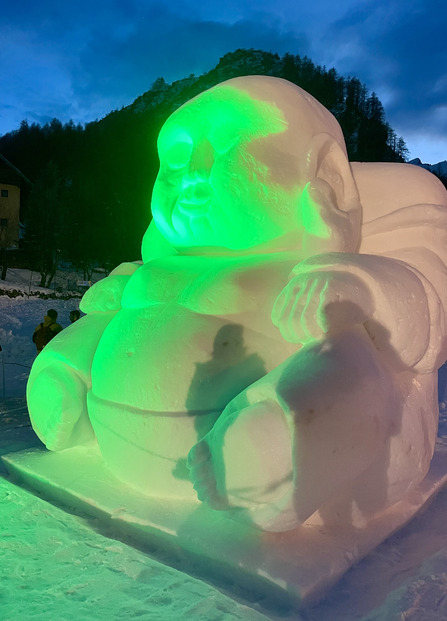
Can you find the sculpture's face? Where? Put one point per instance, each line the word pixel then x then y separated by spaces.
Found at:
pixel 223 181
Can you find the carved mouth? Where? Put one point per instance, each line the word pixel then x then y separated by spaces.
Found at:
pixel 195 199
pixel 193 208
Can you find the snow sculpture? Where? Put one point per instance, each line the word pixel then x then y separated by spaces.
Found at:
pixel 278 345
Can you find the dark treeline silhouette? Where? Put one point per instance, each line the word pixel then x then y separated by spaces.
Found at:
pixel 90 200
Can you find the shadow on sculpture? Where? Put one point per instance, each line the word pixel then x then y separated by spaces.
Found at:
pixel 329 277
pixel 218 380
pixel 225 374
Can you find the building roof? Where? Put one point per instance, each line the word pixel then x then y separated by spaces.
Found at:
pixel 10 174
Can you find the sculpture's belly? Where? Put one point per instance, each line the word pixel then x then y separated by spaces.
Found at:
pixel 170 359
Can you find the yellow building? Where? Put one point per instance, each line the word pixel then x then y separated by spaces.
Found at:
pixel 12 182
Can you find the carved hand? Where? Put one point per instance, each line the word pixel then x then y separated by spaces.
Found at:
pixel 315 303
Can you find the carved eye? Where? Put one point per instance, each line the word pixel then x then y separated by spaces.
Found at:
pixel 178 155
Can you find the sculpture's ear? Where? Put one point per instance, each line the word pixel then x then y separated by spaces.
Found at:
pixel 330 206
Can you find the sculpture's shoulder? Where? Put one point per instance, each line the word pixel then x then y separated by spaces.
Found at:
pixel 404 206
pixel 386 188
pixel 106 294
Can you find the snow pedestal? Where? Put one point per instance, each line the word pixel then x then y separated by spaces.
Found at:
pixel 298 566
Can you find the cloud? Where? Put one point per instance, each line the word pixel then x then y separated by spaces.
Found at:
pixel 76 60
pixel 68 62
pixel 398 47
pixel 118 64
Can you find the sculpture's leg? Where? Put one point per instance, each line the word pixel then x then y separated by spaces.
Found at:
pixel 289 441
pixel 59 381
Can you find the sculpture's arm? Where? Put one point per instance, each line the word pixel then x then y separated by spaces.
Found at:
pixel 331 292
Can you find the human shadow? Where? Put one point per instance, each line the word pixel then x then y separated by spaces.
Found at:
pixel 230 369
pixel 364 494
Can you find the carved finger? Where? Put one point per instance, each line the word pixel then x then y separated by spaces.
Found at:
pixel 278 308
pixel 292 331
pixel 309 323
pixel 321 317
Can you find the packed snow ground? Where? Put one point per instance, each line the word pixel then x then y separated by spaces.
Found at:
pixel 58 565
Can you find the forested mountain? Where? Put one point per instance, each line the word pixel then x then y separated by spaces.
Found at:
pixel 90 202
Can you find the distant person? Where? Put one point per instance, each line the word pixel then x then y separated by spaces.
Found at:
pixel 74 316
pixel 46 330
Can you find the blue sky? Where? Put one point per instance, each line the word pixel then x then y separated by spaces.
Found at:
pixel 79 60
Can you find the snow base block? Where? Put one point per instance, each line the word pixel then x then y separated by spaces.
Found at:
pixel 297 567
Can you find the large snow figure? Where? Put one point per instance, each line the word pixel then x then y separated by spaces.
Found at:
pixel 279 344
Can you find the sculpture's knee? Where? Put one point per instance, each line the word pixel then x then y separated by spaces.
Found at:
pixel 341 403
pixel 59 381
pixel 56 396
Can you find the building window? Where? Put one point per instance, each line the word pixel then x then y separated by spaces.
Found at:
pixel 4 193
pixel 3 221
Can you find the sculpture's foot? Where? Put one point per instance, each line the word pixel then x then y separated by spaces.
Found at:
pixel 238 464
pixel 57 405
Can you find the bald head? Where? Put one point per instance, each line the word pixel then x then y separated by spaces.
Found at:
pixel 234 162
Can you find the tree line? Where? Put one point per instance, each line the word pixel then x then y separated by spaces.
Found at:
pixel 89 204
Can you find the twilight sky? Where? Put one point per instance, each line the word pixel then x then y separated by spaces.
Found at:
pixel 80 60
